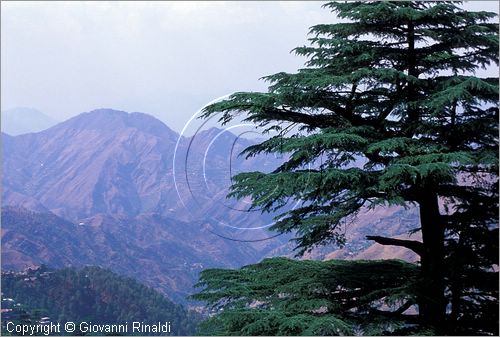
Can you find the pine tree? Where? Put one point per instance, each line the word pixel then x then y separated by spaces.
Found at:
pixel 280 296
pixel 396 89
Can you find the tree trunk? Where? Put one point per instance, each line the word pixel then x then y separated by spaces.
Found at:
pixel 432 303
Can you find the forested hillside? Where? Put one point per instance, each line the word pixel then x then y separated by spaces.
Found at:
pixel 93 294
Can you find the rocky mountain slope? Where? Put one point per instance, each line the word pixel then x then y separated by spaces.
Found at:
pixel 121 164
pixel 163 253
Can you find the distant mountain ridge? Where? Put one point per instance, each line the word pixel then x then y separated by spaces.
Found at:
pixel 163 253
pixel 23 120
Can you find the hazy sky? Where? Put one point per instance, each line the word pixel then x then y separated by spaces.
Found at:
pixel 163 58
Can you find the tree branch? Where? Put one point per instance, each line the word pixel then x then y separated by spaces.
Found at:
pixel 397 312
pixel 270 114
pixel 415 246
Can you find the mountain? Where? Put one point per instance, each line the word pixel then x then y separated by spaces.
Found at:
pixel 99 189
pixel 163 253
pixel 22 120
pixel 83 166
pixel 121 164
pixel 396 222
pixel 90 294
pixel 123 191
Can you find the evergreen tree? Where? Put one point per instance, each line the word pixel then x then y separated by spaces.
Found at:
pixel 395 88
pixel 280 296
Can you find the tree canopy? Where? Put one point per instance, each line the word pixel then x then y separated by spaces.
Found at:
pixel 280 296
pixel 92 294
pixel 390 110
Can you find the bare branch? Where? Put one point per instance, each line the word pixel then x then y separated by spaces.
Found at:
pixel 415 246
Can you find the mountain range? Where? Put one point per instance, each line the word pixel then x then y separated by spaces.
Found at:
pixel 123 191
pixel 98 189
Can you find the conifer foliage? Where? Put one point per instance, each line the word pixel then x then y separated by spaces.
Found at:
pixel 280 296
pixel 394 88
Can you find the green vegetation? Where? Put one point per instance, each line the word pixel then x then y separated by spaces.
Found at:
pixel 280 296
pixel 395 89
pixel 96 295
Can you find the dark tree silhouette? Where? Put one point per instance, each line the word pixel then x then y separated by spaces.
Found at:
pixel 394 88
